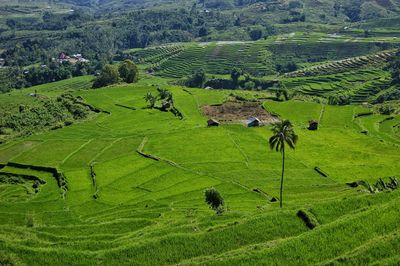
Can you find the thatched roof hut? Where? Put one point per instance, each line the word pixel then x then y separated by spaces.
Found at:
pixel 253 122
pixel 212 123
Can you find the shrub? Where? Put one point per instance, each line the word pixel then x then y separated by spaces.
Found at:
pixel 339 99
pixel 249 85
pixel 308 218
pixel 386 109
pixel 214 199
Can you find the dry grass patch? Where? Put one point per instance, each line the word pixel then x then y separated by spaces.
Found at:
pixel 238 112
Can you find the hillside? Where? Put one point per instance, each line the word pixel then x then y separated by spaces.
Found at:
pixel 212 132
pixel 258 58
pixel 119 207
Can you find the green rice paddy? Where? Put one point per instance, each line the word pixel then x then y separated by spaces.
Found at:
pixel 122 208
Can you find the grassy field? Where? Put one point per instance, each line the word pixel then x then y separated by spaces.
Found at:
pixel 122 208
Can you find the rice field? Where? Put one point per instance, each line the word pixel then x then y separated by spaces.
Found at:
pixel 121 208
pixel 260 58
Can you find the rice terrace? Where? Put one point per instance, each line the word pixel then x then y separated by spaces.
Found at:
pixel 211 132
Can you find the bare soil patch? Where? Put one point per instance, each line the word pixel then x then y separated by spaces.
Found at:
pixel 238 112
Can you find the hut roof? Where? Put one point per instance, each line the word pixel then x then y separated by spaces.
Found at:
pixel 212 122
pixel 252 120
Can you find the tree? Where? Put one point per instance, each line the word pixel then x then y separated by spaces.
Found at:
pixel 203 31
pixel 283 134
pixel 164 94
pixel 108 75
pixel 282 92
pixel 235 75
pixel 128 71
pixel 197 79
pixel 214 199
pixel 166 99
pixel 151 99
pixel 256 34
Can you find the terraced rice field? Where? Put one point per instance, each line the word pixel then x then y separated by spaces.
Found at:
pixel 122 208
pixel 361 84
pixel 216 58
pixel 344 65
pixel 260 58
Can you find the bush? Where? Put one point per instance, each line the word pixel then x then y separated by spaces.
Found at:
pixel 308 218
pixel 339 99
pixel 249 85
pixel 214 199
pixel 386 109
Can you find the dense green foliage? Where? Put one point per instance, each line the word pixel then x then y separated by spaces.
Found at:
pixel 214 199
pixel 108 75
pixel 197 79
pixel 128 71
pixel 40 113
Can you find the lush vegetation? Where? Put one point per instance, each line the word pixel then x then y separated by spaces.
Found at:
pixel 157 132
pixel 149 206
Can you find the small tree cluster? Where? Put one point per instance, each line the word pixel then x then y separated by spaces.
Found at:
pixel 285 68
pixel 110 74
pixel 381 185
pixel 215 200
pixel 166 102
pixel 197 79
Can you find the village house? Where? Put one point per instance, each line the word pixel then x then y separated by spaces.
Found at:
pixel 73 59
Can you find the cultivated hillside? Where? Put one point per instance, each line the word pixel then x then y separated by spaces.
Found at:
pixel 127 186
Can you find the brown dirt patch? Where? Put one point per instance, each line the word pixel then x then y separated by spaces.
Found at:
pixel 238 112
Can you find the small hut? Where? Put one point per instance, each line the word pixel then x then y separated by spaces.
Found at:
pixel 312 125
pixel 212 123
pixel 253 122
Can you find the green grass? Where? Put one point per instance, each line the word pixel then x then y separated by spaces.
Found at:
pixel 153 212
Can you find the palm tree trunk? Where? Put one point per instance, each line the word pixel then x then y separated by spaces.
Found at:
pixel 283 171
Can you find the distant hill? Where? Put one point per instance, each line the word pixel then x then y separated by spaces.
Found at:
pixel 289 10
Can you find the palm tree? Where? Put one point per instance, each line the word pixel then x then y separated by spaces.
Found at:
pixel 283 134
pixel 151 99
pixel 164 94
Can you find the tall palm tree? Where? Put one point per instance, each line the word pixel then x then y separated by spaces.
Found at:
pixel 283 134
pixel 151 99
